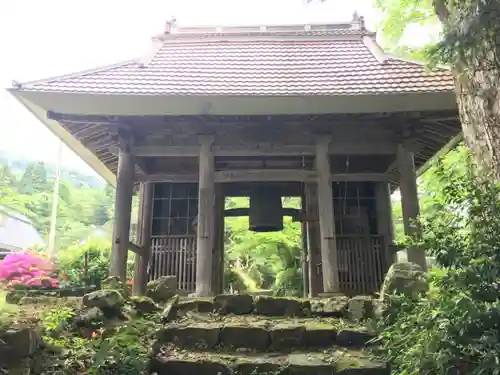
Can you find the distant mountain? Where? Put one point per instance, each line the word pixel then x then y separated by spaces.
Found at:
pixel 17 165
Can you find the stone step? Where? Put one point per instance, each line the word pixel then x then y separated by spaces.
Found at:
pixel 360 307
pixel 343 362
pixel 262 335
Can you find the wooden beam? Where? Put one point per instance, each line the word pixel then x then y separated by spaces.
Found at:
pixel 360 177
pixel 139 250
pixel 267 149
pixel 441 153
pixel 170 177
pixel 79 119
pixel 271 175
pixel 268 175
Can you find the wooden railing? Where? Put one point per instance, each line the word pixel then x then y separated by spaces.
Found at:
pixel 363 262
pixel 174 255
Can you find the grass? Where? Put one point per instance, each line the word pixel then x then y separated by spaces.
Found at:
pixel 11 314
pixel 7 311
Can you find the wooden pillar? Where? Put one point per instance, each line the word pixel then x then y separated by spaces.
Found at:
pixel 313 243
pixel 409 202
pixel 305 253
pixel 123 208
pixel 143 239
pixel 329 259
pixel 218 249
pixel 384 219
pixel 205 215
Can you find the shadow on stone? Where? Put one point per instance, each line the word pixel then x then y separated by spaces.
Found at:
pixel 352 338
pixel 194 336
pixel 285 336
pixel 244 337
pixel 276 306
pixel 188 367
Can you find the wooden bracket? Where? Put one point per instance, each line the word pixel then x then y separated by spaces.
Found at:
pixel 206 139
pixel 136 248
pixel 125 140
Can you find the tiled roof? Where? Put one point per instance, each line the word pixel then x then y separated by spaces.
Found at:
pixel 298 63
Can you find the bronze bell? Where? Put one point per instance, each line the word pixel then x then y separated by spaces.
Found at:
pixel 265 211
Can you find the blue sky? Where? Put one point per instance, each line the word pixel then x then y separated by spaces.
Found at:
pixel 40 39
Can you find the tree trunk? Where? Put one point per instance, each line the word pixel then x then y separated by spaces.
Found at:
pixel 478 99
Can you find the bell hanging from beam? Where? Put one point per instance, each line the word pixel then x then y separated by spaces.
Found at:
pixel 265 213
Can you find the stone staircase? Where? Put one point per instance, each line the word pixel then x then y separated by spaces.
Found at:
pixel 239 334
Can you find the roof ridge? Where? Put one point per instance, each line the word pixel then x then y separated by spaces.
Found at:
pixel 19 85
pixel 405 59
pixel 176 29
pixel 353 28
pixel 13 214
pixel 392 56
pixel 154 49
pixel 257 37
pixel 375 49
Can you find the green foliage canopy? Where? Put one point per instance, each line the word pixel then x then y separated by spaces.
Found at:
pixel 463 33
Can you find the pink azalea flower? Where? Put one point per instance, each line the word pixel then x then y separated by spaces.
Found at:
pixel 27 268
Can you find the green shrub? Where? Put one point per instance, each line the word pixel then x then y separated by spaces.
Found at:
pixel 288 283
pixel 455 329
pixel 72 263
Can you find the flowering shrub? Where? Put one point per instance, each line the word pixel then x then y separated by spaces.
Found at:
pixel 27 269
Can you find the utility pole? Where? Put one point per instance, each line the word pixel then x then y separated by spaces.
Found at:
pixel 55 203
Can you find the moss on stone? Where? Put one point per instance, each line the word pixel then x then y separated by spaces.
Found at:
pixel 360 308
pixel 143 305
pixel 200 305
pixel 104 299
pixel 162 289
pixel 193 335
pixel 329 307
pixel 239 304
pixel 189 366
pixel 279 306
pixel 355 362
pixel 256 366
